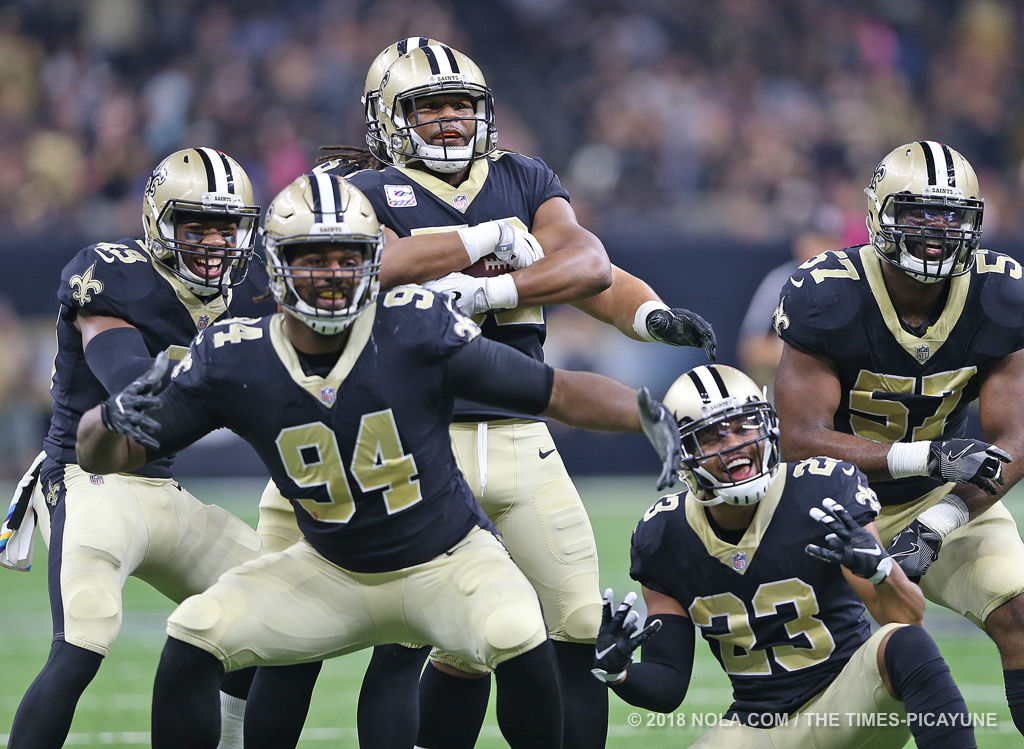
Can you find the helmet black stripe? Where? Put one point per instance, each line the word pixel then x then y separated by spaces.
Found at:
pixel 339 209
pixel 929 161
pixel 435 67
pixel 451 59
pixel 701 390
pixel 403 45
pixel 718 380
pixel 227 171
pixel 314 186
pixel 211 176
pixel 950 169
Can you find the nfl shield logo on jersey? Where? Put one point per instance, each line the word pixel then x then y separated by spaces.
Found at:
pixel 204 321
pixel 924 353
pixel 95 479
pixel 461 203
pixel 739 561
pixel 400 196
pixel 327 395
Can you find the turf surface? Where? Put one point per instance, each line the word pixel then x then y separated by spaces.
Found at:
pixel 115 708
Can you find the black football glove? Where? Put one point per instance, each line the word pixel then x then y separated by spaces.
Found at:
pixel 968 461
pixel 618 638
pixel 849 544
pixel 125 412
pixel 662 431
pixel 680 327
pixel 915 548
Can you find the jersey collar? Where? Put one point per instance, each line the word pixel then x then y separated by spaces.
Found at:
pixel 461 196
pixel 323 389
pixel 938 332
pixel 729 554
pixel 203 313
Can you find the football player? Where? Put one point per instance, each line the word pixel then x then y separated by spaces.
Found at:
pixel 121 303
pixel 453 202
pixel 347 399
pixel 886 346
pixel 775 563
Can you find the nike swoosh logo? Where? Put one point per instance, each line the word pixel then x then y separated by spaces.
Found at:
pixel 796 283
pixel 606 651
pixel 911 551
pixel 853 470
pixel 872 552
pixel 544 454
pixel 456 296
pixel 962 453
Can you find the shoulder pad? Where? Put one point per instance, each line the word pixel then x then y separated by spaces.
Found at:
pixel 822 295
pixel 104 275
pixel 1002 295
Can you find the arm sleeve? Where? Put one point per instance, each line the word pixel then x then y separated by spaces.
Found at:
pixel 488 372
pixel 117 356
pixel 659 682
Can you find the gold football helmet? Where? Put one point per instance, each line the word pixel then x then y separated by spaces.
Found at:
pixel 720 407
pixel 371 90
pixel 200 184
pixel 323 209
pixel 925 210
pixel 429 71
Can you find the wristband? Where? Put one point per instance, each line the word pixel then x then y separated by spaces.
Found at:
pixel 501 292
pixel 480 240
pixel 946 516
pixel 908 459
pixel 884 568
pixel 640 319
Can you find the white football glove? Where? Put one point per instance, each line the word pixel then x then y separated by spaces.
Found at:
pixel 516 246
pixel 474 296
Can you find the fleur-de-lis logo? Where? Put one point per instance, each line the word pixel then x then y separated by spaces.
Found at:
pixel 85 286
pixel 53 494
pixel 780 320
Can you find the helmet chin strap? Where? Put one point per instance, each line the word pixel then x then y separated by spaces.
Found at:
pixel 433 157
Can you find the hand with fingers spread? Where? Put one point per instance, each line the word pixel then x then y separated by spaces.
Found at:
pixel 680 327
pixel 849 544
pixel 662 431
pixel 618 638
pixel 125 412
pixel 968 461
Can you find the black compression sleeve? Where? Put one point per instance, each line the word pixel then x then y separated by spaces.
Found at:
pixel 659 682
pixel 117 356
pixel 499 375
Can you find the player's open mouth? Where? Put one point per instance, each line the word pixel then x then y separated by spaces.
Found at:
pixel 450 137
pixel 208 267
pixel 740 469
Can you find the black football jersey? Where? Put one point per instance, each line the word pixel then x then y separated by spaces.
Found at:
pixel 898 385
pixel 503 185
pixel 121 279
pixel 781 623
pixel 363 453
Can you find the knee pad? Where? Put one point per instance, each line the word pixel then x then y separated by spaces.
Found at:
pixel 510 631
pixel 92 612
pixel 579 609
pixel 196 616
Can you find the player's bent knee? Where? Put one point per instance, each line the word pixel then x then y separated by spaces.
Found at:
pixel 510 631
pixel 196 615
pixel 580 625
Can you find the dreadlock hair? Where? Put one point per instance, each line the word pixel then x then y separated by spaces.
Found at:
pixel 351 158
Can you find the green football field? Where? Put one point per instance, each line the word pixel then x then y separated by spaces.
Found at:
pixel 115 708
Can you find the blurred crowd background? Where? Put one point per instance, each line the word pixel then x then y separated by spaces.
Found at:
pixel 705 142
